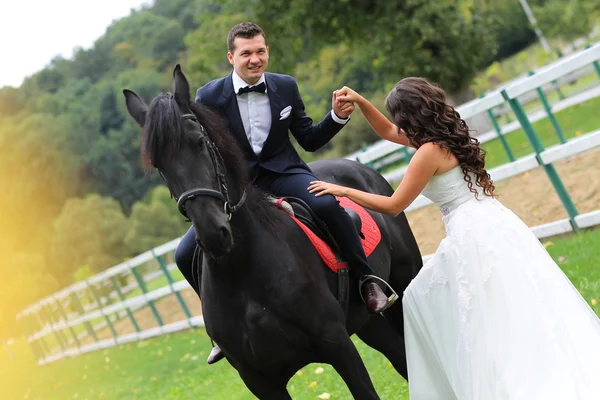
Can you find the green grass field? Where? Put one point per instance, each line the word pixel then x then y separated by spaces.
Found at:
pixel 553 96
pixel 574 121
pixel 174 367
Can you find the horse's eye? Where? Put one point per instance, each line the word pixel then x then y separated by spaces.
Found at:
pixel 201 142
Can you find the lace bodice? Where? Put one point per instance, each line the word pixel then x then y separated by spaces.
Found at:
pixel 449 190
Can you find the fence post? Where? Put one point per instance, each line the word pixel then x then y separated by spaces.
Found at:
pixel 548 109
pixel 142 284
pixel 597 68
pixel 498 130
pixel 165 270
pixel 561 96
pixel 101 309
pixel 50 317
pixel 36 320
pixel 27 333
pixel 81 311
pixel 66 318
pixel 120 294
pixel 595 63
pixel 538 147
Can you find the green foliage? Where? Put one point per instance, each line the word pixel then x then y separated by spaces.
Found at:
pixel 154 222
pixel 149 35
pixel 88 231
pixel 207 48
pixel 566 19
pixel 82 273
pixel 499 72
pixel 26 279
pixel 508 25
pixel 442 40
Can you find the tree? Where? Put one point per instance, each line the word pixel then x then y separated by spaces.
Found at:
pixel 151 37
pixel 26 279
pixel 88 231
pixel 445 41
pixel 154 221
pixel 110 117
pixel 37 176
pixel 566 19
pixel 207 57
pixel 509 26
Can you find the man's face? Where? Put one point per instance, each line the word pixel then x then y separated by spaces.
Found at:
pixel 250 58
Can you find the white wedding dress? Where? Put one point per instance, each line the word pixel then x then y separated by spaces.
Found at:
pixel 490 315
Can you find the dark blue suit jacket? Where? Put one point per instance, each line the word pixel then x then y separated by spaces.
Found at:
pixel 278 153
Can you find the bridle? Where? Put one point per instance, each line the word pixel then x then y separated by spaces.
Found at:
pixel 219 166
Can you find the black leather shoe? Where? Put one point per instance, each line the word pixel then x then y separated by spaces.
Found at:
pixel 216 354
pixel 374 297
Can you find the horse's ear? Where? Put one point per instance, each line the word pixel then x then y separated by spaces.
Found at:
pixel 136 107
pixel 181 87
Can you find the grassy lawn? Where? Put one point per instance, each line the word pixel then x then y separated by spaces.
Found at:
pixel 574 121
pixel 567 90
pixel 170 367
pixel 579 257
pixel 174 367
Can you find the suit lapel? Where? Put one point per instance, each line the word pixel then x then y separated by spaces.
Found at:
pixel 232 110
pixel 276 104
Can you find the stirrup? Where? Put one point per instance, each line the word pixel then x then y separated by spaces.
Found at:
pixel 391 299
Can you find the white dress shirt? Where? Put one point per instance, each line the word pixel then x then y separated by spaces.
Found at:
pixel 255 112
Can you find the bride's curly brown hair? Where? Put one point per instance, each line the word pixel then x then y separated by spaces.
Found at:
pixel 419 108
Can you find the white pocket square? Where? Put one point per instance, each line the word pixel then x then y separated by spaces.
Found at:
pixel 285 113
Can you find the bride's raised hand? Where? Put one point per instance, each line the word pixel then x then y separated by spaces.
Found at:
pixel 347 94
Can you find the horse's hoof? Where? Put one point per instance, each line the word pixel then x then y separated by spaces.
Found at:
pixel 216 354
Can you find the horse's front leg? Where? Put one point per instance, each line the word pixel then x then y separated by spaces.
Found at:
pixel 264 387
pixel 337 349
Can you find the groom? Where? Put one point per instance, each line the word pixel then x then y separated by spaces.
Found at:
pixel 261 108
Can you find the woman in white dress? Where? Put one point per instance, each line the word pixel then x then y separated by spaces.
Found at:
pixel 490 315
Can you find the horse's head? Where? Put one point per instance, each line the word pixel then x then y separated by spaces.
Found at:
pixel 177 141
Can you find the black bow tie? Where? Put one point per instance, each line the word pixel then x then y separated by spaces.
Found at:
pixel 260 88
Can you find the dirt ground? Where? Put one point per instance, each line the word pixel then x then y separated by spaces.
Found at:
pixel 168 308
pixel 530 195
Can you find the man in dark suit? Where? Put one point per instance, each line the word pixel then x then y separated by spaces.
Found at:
pixel 261 108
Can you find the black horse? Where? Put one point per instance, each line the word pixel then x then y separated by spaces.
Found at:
pixel 267 297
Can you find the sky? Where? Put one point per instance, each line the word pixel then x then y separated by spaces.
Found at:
pixel 32 32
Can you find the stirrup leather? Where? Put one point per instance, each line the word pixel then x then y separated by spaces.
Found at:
pixel 391 299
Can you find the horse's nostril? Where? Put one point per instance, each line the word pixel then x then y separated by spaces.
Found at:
pixel 224 232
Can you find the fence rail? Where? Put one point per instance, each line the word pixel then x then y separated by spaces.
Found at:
pixel 383 153
pixel 72 321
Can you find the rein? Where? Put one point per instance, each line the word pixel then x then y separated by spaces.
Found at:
pixel 219 167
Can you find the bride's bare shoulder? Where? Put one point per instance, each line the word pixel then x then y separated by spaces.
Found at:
pixel 442 157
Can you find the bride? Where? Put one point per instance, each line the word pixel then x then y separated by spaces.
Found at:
pixel 490 315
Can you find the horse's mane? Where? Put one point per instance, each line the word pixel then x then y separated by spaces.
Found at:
pixel 164 128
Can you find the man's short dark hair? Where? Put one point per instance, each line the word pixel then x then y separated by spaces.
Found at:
pixel 246 30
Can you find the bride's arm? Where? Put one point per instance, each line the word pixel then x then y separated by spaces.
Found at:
pixel 380 124
pixel 420 170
